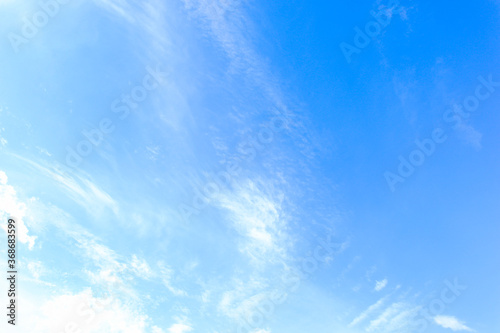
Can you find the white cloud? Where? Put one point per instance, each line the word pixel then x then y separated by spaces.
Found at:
pixel 231 27
pixel 11 206
pixel 156 329
pixel 150 18
pixel 83 311
pixel 255 212
pixel 180 328
pixel 102 265
pixel 379 285
pixel 257 216
pixel 396 317
pixel 119 7
pixel 35 268
pixel 240 302
pixel 43 151
pixel 368 311
pixel 3 178
pixel 451 323
pixel 79 188
pixel 140 267
pixel 403 321
pixel 166 275
pixel 106 268
pixel 111 271
pixel 153 152
pixel 384 318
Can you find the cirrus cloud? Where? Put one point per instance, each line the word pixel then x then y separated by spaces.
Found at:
pixel 451 323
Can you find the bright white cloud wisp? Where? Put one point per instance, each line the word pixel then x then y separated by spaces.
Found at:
pixel 452 323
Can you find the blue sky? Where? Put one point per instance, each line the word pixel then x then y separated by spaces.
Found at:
pixel 227 166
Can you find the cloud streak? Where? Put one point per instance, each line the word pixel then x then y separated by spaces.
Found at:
pixel 379 285
pixel 79 188
pixel 452 323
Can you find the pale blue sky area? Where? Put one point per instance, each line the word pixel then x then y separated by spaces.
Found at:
pixel 257 167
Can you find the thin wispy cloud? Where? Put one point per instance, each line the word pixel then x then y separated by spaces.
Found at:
pixel 452 323
pixel 256 214
pixel 371 309
pixel 395 318
pixel 78 187
pixel 167 275
pixel 379 285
